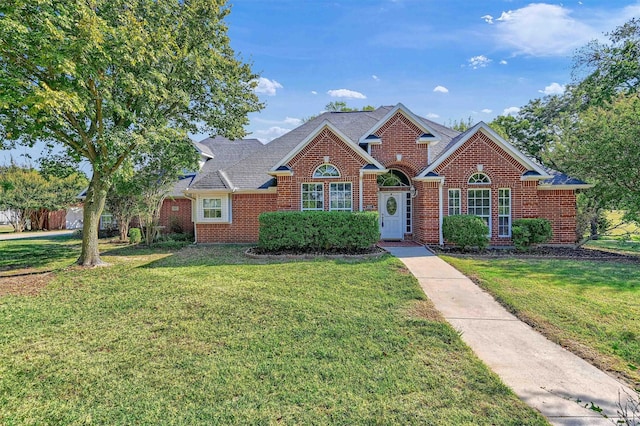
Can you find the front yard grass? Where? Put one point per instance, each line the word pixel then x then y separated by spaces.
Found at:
pixel 590 307
pixel 207 336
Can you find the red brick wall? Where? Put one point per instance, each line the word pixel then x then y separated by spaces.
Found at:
pixel 399 136
pixel 307 161
pixel 244 227
pixel 176 212
pixel 559 206
pixel 426 213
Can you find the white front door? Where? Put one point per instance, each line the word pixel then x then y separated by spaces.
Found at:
pixel 391 210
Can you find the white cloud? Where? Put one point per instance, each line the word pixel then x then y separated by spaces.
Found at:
pixel 313 92
pixel 503 62
pixel 375 77
pixel 346 93
pixel 292 121
pixel 486 111
pixel 511 111
pixel 267 87
pixel 553 89
pixel 432 115
pixel 487 18
pixel 440 89
pixel 267 135
pixel 479 61
pixel 541 29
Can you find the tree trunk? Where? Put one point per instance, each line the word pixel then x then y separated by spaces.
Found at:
pixel 93 206
pixel 123 227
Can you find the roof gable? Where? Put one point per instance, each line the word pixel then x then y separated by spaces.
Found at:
pixel 328 126
pixel 429 134
pixel 488 131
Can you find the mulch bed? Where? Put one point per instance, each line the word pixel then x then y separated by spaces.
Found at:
pixel 258 253
pixel 540 252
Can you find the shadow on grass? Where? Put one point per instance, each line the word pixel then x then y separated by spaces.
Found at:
pixel 37 252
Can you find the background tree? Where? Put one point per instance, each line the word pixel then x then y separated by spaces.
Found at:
pixel 122 198
pixel 104 78
pixel 461 125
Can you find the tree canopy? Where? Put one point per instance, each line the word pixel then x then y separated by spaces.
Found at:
pixel 108 79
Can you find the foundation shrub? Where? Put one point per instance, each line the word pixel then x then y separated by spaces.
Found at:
pixel 465 231
pixel 526 233
pixel 318 231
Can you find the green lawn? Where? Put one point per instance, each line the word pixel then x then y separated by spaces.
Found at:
pixel 590 307
pixel 626 247
pixel 207 336
pixel 6 229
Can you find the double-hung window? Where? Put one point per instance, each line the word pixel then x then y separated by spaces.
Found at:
pixel 312 196
pixel 454 202
pixel 504 212
pixel 340 196
pixel 214 209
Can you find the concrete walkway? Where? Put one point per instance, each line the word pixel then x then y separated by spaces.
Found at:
pixel 543 374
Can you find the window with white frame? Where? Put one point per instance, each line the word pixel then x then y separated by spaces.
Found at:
pixel 479 178
pixel 340 196
pixel 312 196
pixel 479 204
pixel 454 202
pixel 107 221
pixel 325 171
pixel 213 208
pixel 504 212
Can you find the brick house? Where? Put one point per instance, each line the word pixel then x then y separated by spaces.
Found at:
pixel 410 170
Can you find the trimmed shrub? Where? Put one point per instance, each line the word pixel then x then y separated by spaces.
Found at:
pixel 465 231
pixel 135 235
pixel 528 232
pixel 318 231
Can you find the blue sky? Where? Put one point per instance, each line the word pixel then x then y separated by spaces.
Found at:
pixel 445 60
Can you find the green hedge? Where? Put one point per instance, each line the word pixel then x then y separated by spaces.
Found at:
pixel 318 231
pixel 465 231
pixel 527 232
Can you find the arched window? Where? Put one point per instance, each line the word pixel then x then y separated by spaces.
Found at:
pixel 479 178
pixel 393 178
pixel 325 171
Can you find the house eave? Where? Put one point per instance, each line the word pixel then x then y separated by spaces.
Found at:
pixel 549 187
pixel 281 173
pixel 429 179
pixel 535 177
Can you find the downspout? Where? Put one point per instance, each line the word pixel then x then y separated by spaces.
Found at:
pixel 193 211
pixel 360 196
pixel 440 236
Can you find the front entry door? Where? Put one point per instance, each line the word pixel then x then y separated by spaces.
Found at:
pixel 391 208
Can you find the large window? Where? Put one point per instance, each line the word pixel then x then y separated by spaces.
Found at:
pixel 340 196
pixel 213 209
pixel 312 196
pixel 504 212
pixel 479 204
pixel 454 202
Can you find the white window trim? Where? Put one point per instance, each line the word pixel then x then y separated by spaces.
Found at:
pixel 508 235
pixel 479 183
pixel 225 206
pixel 302 208
pixel 490 207
pixel 459 207
pixel 314 175
pixel 341 210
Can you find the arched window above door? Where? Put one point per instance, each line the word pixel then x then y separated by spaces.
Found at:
pixel 393 178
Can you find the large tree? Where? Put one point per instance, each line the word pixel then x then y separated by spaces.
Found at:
pixel 104 77
pixel 603 147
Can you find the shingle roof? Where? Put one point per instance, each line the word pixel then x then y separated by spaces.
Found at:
pixel 245 164
pixel 561 179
